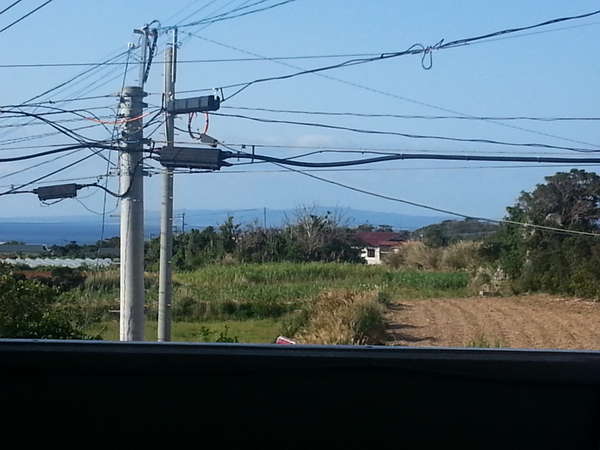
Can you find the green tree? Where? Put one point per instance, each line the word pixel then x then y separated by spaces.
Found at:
pixel 365 227
pixel 553 261
pixel 435 236
pixel 28 309
pixel 230 232
pixel 569 200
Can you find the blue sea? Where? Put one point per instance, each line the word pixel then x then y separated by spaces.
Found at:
pixel 87 230
pixel 61 233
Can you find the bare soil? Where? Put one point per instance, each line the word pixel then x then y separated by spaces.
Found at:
pixel 533 321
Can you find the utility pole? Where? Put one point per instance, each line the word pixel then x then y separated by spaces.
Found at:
pixel 171 157
pixel 182 217
pixel 165 288
pixel 131 108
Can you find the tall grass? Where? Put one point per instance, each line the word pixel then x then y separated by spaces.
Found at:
pixel 262 291
pixel 462 255
pixel 344 317
pixel 247 331
pixel 481 341
pixel 273 290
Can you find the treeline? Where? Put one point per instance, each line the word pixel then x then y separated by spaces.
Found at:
pixel 101 249
pixel 561 256
pixel 452 231
pixel 33 308
pixel 309 237
pixel 553 259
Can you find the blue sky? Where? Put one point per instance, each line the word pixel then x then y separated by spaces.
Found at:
pixel 543 74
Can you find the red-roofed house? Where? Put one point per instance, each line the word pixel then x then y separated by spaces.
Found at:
pixel 378 243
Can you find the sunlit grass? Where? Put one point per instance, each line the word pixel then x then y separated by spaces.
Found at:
pixel 252 331
pixel 257 301
pixel 261 291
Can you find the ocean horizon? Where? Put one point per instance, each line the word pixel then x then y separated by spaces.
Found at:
pixel 61 233
pixel 88 230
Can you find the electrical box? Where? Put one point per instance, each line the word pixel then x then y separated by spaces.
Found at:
pixel 193 158
pixel 195 104
pixel 57 191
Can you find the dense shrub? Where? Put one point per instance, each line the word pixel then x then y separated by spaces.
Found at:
pixel 462 255
pixel 344 317
pixel 29 309
pixel 556 262
pixel 308 237
pixel 419 256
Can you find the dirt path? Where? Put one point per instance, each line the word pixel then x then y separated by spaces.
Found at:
pixel 534 321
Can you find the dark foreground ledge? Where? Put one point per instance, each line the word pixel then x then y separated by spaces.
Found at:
pixel 402 396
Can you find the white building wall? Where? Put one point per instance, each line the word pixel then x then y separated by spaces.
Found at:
pixel 374 259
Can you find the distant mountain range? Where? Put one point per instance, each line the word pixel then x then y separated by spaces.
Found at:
pixel 87 229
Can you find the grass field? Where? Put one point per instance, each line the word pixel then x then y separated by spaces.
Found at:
pixel 258 331
pixel 258 301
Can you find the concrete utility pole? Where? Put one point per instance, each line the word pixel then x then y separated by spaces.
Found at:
pixel 165 288
pixel 132 206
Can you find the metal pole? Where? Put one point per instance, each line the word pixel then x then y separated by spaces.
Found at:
pixel 132 208
pixel 165 288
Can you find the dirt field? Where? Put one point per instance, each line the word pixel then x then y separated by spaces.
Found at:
pixel 535 321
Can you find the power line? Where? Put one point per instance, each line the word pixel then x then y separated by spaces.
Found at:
pixel 10 6
pixel 25 16
pixel 88 209
pixel 389 94
pixel 81 119
pixel 366 149
pixel 211 14
pixel 34 137
pixel 192 61
pixel 22 147
pixel 468 41
pixel 415 49
pixel 80 186
pixel 70 80
pixel 185 8
pixel 51 102
pixel 227 16
pixel 108 163
pixel 413 116
pixel 410 156
pixel 69 132
pixel 60 87
pixel 59 150
pixel 56 111
pixel 406 135
pixel 457 117
pixel 533 33
pixel 68 166
pixel 60 128
pixel 63 180
pixel 16 172
pixel 385 169
pixel 396 154
pixel 440 210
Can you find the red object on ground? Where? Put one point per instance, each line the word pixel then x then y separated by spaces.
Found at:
pixel 284 341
